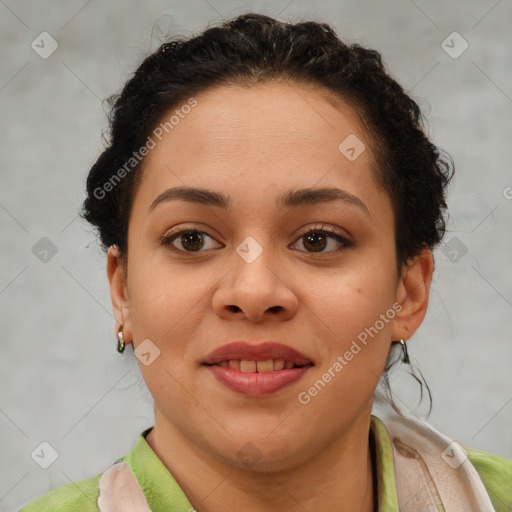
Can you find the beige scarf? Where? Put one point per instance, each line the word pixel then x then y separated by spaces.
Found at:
pixel 120 491
pixel 432 474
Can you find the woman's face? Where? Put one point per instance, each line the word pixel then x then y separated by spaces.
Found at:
pixel 275 261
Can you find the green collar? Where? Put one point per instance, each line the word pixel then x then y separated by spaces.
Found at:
pixel 386 485
pixel 162 490
pixel 159 486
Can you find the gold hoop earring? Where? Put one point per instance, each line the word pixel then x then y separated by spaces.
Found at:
pixel 120 340
pixel 405 354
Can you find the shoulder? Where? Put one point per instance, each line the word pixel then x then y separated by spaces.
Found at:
pixel 81 496
pixel 496 475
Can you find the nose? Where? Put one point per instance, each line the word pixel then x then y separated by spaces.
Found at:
pixel 258 291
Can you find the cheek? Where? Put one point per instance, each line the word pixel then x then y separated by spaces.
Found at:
pixel 163 297
pixel 350 301
pixel 356 312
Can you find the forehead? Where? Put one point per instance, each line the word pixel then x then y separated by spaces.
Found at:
pixel 258 139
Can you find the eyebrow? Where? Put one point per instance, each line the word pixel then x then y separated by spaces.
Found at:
pixel 289 199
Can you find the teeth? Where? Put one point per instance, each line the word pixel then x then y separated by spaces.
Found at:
pixel 234 364
pixel 278 364
pixel 265 366
pixel 247 366
pixel 256 366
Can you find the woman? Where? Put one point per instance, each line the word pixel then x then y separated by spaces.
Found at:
pixel 269 204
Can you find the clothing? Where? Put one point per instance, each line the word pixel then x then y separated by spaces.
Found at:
pixel 164 494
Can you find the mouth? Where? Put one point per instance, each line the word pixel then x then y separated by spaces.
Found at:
pixel 252 366
pixel 257 370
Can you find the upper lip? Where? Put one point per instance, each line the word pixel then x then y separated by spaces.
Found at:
pixel 262 352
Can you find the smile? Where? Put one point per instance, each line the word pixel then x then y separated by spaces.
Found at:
pixel 268 365
pixel 257 370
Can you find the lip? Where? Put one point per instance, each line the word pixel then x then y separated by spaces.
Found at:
pixel 254 384
pixel 261 352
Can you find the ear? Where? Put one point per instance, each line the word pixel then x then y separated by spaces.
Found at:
pixel 412 293
pixel 116 272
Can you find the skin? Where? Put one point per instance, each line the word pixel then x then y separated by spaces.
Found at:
pixel 253 144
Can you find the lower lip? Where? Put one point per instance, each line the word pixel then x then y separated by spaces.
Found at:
pixel 255 384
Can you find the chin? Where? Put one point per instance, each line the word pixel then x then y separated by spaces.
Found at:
pixel 261 452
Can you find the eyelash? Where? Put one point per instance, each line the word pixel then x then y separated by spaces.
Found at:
pixel 323 229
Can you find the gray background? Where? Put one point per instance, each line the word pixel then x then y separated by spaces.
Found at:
pixel 62 379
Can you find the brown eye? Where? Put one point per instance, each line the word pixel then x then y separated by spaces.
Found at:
pixel 187 240
pixel 192 240
pixel 317 240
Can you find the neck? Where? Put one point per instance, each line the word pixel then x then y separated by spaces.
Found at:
pixel 340 477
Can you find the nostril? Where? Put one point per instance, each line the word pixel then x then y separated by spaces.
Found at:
pixel 234 309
